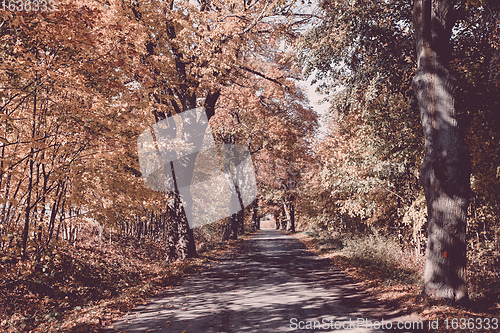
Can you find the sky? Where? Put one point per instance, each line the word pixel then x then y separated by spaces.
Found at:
pixel 314 101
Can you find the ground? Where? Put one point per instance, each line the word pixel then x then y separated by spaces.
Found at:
pixel 272 284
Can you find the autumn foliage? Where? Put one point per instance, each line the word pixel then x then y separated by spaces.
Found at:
pixel 78 85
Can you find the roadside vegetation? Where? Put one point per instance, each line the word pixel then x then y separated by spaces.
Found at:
pixel 393 274
pixel 82 288
pixel 83 238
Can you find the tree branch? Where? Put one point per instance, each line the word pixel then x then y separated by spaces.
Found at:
pixel 248 69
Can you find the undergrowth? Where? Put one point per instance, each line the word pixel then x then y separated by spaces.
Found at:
pixel 395 274
pixel 385 255
pixel 81 288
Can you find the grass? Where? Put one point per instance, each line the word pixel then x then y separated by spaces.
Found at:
pixel 391 274
pixel 385 256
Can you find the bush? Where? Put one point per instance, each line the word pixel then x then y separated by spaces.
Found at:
pixel 209 235
pixel 376 249
pixel 386 258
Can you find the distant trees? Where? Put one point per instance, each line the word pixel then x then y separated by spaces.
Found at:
pixel 275 122
pixel 285 157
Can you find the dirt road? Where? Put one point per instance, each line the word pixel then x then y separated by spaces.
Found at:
pixel 273 285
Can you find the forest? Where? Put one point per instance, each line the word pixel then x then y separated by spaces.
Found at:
pixel 400 177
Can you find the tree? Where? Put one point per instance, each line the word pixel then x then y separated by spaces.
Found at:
pixel 272 119
pixel 194 51
pixel 56 108
pixel 370 41
pixel 445 172
pixel 363 59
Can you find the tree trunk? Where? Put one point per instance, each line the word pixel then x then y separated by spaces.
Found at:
pixel 289 209
pixel 255 224
pixel 27 209
pixel 180 236
pixel 445 171
pixel 185 246
pixel 241 222
pixel 231 229
pixel 235 223
pixel 277 220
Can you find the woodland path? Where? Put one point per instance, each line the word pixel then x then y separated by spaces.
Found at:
pixel 272 279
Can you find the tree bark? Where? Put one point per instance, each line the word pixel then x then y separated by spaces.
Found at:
pixel 231 229
pixel 289 208
pixel 445 172
pixel 241 222
pixel 276 219
pixel 255 224
pixel 185 246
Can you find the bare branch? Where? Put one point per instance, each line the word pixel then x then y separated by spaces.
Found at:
pixel 261 75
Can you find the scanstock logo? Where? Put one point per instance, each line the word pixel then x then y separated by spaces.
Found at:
pixel 178 154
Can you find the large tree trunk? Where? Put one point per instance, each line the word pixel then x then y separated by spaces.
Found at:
pixel 180 237
pixel 445 171
pixel 181 243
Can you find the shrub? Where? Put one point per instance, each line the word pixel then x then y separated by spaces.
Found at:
pixel 375 248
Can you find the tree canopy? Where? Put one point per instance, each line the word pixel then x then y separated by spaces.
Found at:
pixel 79 84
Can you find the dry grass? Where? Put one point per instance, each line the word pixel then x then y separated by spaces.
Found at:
pixel 395 276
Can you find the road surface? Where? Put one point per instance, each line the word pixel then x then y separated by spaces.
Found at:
pixel 272 285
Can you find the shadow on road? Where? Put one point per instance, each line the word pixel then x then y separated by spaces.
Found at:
pixel 273 285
